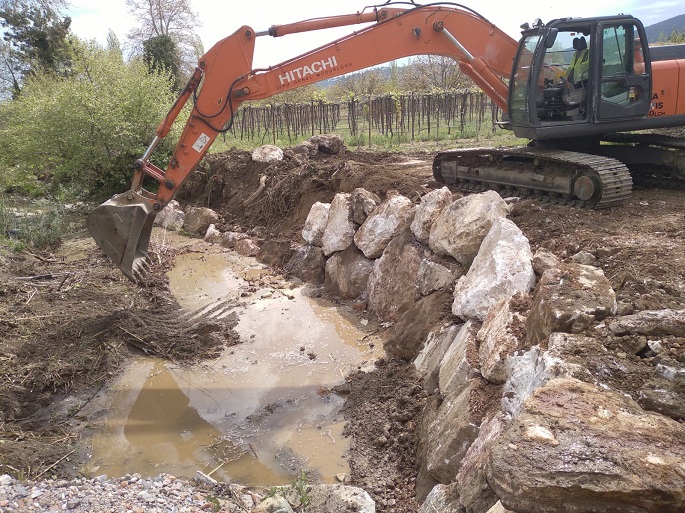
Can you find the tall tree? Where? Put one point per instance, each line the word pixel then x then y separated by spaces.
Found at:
pixel 38 38
pixel 172 19
pixel 433 73
pixel 370 82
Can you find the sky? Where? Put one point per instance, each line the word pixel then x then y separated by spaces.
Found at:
pixel 92 19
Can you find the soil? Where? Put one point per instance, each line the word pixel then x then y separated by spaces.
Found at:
pixel 68 321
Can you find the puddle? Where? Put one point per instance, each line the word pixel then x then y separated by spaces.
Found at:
pixel 256 415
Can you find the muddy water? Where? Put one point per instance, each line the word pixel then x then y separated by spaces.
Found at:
pixel 259 413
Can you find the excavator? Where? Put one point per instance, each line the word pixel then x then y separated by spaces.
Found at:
pixel 584 91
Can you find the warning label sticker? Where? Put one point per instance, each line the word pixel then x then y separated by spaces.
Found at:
pixel 201 142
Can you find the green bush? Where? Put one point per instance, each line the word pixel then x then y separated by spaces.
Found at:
pixel 38 231
pixel 83 132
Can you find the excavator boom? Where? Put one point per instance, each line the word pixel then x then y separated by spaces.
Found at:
pixel 122 225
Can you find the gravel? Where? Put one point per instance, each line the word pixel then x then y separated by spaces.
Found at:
pixel 129 494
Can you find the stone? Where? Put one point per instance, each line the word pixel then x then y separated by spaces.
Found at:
pixel 501 269
pixel 652 323
pixel 267 153
pixel 340 228
pixel 427 362
pixel 203 478
pixel 434 276
pixel 347 273
pixel 475 494
pixel 503 333
pixel 459 364
pixel 498 508
pixel 308 263
pixel 392 284
pixel 246 247
pixel 383 224
pixel 443 499
pixel 315 224
pixel 461 226
pixel 331 144
pixel 198 219
pixel 664 396
pixel 405 338
pixel 338 497
pixel 584 257
pixel 448 432
pixel 5 480
pixel 171 217
pixel 275 504
pixel 569 298
pixel 363 203
pixel 543 260
pixel 213 235
pixel 578 447
pixel 230 239
pixel 307 148
pixel 428 211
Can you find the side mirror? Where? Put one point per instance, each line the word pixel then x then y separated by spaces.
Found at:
pixel 551 37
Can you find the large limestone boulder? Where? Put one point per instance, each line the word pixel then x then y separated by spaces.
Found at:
pixel 337 497
pixel 427 362
pixel 461 227
pixel 392 285
pixel 384 223
pixel 315 224
pixel 406 337
pixel 501 269
pixel 308 264
pixel 503 333
pixel 331 144
pixel 433 276
pixel 448 431
pixel 578 447
pixel 198 219
pixel 475 494
pixel 340 228
pixel 347 273
pixel 428 211
pixel 267 153
pixel 569 298
pixel 459 363
pixel 171 217
pixel 363 203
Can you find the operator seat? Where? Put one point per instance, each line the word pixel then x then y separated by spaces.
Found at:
pixel 575 86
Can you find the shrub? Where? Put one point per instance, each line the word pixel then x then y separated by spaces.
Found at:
pixel 85 131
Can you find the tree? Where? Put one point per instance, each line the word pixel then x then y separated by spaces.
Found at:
pixel 371 82
pixel 38 38
pixel 160 53
pixel 84 131
pixel 172 19
pixel 427 73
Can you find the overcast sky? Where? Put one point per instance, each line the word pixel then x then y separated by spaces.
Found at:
pixel 91 19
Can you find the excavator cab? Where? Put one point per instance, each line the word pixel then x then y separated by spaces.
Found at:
pixel 573 76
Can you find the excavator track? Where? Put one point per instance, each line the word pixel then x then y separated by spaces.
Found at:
pixel 557 176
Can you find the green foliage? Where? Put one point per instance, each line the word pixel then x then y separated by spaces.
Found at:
pixel 38 231
pixel 38 39
pixel 84 131
pixel 160 54
pixel 676 38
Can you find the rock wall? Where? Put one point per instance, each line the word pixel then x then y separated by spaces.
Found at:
pixel 541 398
pixel 534 410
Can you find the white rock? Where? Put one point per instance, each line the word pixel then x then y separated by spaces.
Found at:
pixel 340 228
pixel 389 219
pixel 267 153
pixel 315 224
pixel 427 212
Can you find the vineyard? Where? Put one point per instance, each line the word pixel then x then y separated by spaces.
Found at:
pixel 404 118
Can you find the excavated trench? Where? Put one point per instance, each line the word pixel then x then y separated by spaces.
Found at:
pixel 261 412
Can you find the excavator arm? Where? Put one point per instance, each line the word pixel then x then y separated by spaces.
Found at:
pixel 224 79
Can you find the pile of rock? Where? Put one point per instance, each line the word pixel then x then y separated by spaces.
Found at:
pixel 532 410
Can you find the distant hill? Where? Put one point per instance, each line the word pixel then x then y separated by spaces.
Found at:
pixel 665 28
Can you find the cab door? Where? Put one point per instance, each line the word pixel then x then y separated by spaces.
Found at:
pixel 624 86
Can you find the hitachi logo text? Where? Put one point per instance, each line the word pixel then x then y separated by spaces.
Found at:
pixel 313 69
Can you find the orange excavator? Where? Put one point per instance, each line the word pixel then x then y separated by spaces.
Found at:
pixel 578 88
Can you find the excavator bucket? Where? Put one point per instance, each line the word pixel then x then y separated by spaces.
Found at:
pixel 122 226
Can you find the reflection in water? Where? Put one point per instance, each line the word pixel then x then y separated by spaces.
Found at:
pixel 259 413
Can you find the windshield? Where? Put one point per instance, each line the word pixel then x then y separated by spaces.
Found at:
pixel 521 80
